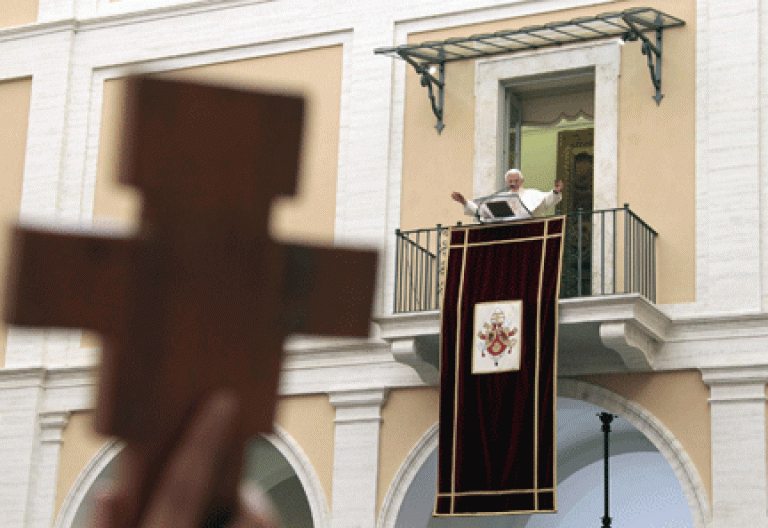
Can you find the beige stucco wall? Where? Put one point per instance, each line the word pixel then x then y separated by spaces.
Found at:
pixel 656 155
pixel 309 421
pixel 406 417
pixel 657 151
pixel 316 74
pixel 79 445
pixel 680 400
pixel 18 12
pixel 434 165
pixel 14 116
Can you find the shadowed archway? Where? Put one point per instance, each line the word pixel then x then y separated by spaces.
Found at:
pixel 653 479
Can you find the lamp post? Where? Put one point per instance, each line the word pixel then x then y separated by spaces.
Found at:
pixel 606 419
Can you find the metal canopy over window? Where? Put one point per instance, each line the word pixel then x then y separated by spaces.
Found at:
pixel 429 58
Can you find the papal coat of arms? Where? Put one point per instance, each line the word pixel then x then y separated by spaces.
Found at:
pixel 496 337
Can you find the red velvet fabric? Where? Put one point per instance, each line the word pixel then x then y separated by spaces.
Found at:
pixel 497 430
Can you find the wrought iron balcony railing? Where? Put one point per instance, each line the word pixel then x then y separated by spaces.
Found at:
pixel 606 252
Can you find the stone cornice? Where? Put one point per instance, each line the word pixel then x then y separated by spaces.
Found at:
pixel 317 365
pixel 729 348
pixel 29 31
pixel 641 336
pixel 17 378
pixel 120 13
pixel 399 326
pixel 115 14
pixel 617 309
pixel 358 406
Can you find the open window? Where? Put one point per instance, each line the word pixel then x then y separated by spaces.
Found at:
pixel 566 102
pixel 549 135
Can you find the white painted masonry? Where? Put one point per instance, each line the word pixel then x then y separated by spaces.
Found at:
pixel 356 457
pixel 728 154
pixel 738 445
pixel 77 44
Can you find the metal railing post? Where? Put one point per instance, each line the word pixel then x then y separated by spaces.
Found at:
pixel 579 258
pixel 439 253
pixel 627 244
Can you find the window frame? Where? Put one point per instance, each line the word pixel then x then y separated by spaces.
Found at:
pixel 493 74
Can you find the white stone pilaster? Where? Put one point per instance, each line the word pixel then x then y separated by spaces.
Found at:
pixel 43 491
pixel 738 412
pixel 20 395
pixel 45 56
pixel 362 188
pixel 728 190
pixel 356 457
pixel 361 196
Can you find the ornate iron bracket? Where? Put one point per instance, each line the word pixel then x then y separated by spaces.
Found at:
pixel 650 50
pixel 432 84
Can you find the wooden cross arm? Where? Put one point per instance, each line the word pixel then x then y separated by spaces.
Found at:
pixel 68 280
pixel 328 291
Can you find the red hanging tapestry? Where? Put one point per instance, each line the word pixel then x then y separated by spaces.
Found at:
pixel 498 370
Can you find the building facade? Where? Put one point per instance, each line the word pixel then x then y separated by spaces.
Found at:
pixel 681 360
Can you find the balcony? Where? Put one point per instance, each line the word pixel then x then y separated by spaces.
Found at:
pixel 608 318
pixel 607 252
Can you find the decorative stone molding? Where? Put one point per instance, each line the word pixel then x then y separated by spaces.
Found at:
pixel 69 389
pixel 84 483
pixel 404 477
pixel 21 378
pixel 736 383
pixel 318 504
pixel 406 334
pixel 617 308
pixel 636 348
pixel 322 366
pixel 628 324
pixel 358 406
pixel 406 351
pixel 52 426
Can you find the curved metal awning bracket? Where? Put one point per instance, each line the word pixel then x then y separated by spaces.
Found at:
pixel 650 50
pixel 432 83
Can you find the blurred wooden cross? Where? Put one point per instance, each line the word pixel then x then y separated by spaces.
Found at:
pixel 201 297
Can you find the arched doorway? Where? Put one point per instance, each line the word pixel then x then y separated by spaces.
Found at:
pixel 653 483
pixel 275 461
